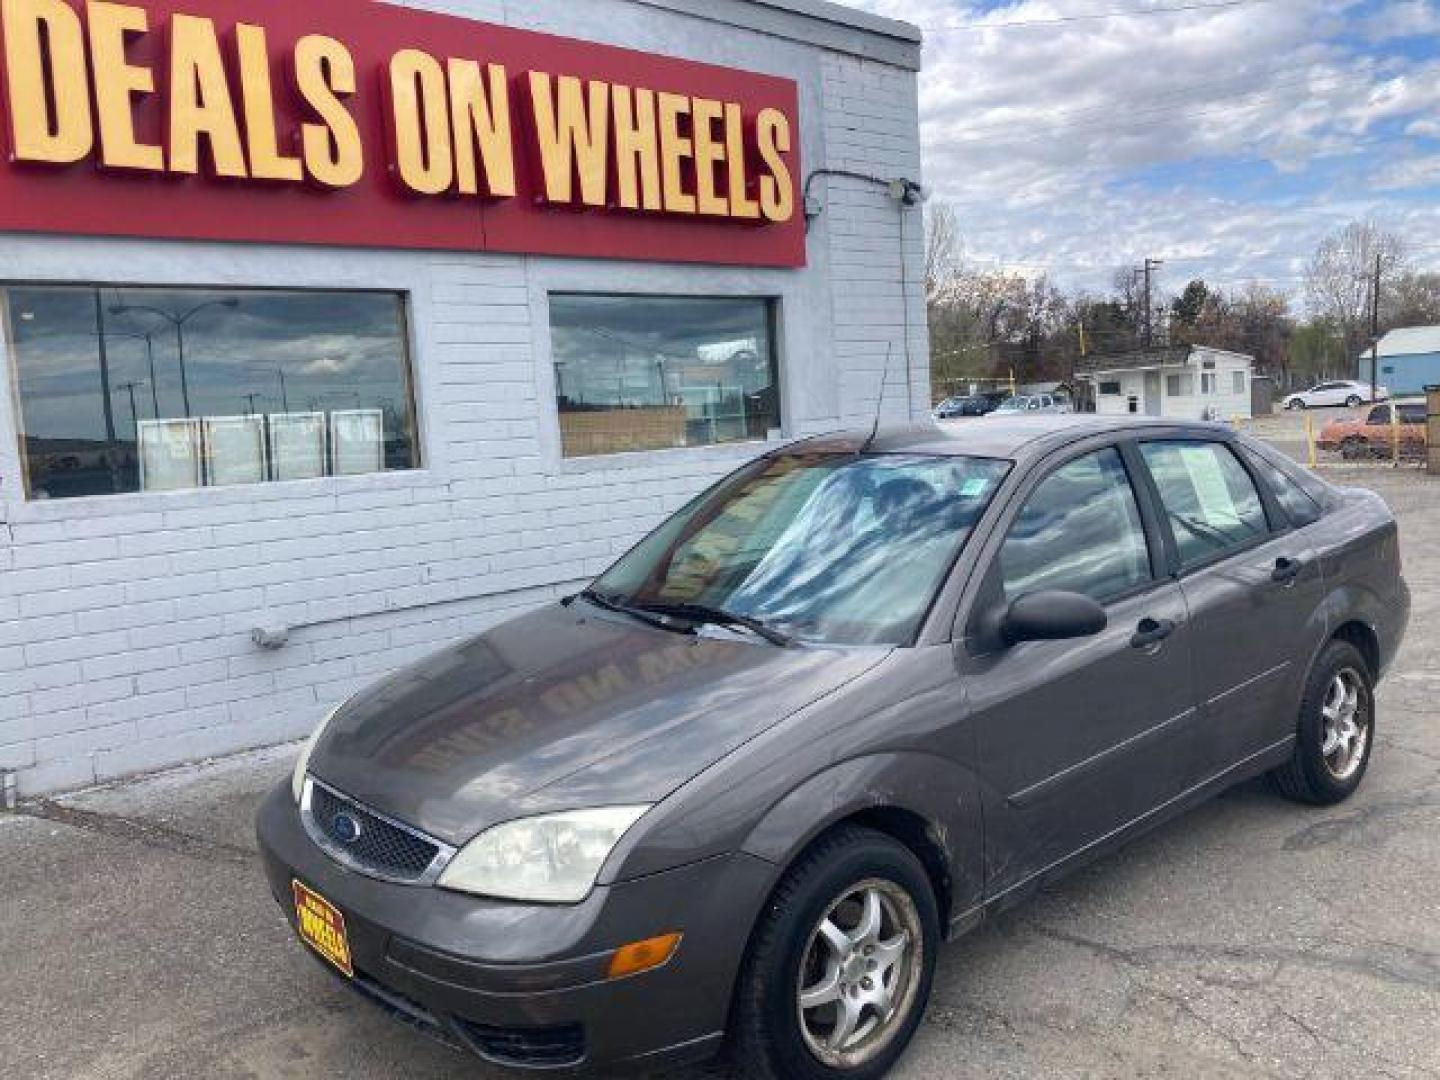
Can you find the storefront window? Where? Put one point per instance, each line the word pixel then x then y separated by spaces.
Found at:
pixel 652 373
pixel 130 389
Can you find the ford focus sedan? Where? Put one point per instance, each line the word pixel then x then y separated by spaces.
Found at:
pixel 859 696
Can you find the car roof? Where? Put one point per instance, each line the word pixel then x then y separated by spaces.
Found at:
pixel 998 436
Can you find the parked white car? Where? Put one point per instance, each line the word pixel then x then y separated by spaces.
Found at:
pixel 1349 393
pixel 1033 403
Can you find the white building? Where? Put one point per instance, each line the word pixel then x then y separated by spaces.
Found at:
pixel 262 442
pixel 1186 382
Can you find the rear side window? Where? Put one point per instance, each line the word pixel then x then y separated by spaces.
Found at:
pixel 1210 500
pixel 1299 507
pixel 1318 490
pixel 1079 531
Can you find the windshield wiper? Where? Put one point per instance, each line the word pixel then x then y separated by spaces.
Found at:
pixel 701 613
pixel 610 603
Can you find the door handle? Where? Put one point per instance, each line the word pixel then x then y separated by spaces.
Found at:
pixel 1286 571
pixel 1152 632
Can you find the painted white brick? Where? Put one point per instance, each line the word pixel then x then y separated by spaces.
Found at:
pixel 125 622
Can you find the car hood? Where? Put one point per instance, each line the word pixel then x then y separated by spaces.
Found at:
pixel 562 708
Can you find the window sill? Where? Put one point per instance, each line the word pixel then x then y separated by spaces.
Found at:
pixel 719 453
pixel 25 510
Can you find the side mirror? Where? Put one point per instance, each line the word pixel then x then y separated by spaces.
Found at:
pixel 1052 616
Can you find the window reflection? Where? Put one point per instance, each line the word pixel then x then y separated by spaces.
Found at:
pixel 131 389
pixel 1079 532
pixel 829 547
pixel 650 373
pixel 1212 503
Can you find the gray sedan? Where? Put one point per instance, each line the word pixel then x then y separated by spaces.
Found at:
pixel 856 698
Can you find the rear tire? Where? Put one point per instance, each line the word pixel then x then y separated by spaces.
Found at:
pixel 1336 732
pixel 811 944
pixel 1354 401
pixel 1354 448
pixel 1298 403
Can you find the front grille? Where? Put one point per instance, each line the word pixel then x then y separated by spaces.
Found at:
pixel 550 1047
pixel 367 842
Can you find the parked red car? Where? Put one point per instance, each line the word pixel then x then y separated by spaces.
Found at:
pixel 1369 434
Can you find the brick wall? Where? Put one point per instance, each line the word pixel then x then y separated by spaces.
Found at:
pixel 125 622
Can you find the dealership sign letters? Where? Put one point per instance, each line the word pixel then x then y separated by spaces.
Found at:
pixel 359 123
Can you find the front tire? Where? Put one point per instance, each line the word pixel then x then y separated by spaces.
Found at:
pixel 839 969
pixel 1354 401
pixel 1298 403
pixel 1354 448
pixel 1336 732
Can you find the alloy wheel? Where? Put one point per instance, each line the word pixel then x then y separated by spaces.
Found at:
pixel 1345 724
pixel 860 973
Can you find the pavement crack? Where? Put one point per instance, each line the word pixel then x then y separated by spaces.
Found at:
pixel 149 833
pixel 1384 961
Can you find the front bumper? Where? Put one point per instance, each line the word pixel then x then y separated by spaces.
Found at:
pixel 522 985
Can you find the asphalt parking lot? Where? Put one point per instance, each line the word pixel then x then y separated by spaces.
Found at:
pixel 1251 938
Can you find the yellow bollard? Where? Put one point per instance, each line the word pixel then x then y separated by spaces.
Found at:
pixel 1394 436
pixel 1310 440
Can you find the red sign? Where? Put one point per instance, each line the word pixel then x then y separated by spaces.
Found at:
pixel 368 125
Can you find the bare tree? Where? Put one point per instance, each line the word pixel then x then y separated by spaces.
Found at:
pixel 1340 280
pixel 942 250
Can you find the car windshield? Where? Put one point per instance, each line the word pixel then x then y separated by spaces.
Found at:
pixel 829 548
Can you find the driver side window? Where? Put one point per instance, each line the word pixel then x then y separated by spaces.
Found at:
pixel 1079 531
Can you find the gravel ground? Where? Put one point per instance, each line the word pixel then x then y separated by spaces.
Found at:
pixel 1250 938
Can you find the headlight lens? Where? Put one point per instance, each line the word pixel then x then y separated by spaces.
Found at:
pixel 297 781
pixel 553 859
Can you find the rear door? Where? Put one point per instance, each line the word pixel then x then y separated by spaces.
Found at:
pixel 1076 739
pixel 1252 585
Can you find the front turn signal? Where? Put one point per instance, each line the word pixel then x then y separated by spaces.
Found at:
pixel 640 956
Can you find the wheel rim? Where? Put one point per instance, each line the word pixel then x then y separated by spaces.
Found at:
pixel 1345 725
pixel 860 973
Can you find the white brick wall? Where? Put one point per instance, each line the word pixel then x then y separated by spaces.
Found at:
pixel 125 622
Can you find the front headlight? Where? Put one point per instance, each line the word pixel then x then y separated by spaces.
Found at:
pixel 297 781
pixel 553 859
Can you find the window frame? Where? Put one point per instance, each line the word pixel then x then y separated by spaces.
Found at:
pixel 775 329
pixel 1277 521
pixel 10 360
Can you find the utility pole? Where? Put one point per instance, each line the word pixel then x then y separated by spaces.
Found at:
pixel 1375 330
pixel 1151 265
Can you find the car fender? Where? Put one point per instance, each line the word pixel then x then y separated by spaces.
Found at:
pixel 1345 603
pixel 924 787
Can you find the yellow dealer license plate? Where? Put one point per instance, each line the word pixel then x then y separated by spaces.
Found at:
pixel 322 927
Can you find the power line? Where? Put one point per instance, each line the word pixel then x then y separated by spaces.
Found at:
pixel 1124 13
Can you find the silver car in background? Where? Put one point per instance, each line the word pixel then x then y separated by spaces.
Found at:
pixel 1033 404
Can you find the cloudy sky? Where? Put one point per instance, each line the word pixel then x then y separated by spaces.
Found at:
pixel 1224 137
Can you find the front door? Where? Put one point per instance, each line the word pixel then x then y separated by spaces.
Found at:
pixel 1076 739
pixel 1249 590
pixel 1153 404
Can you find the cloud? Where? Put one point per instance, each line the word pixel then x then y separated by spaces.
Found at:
pixel 1232 138
pixel 1412 173
pixel 1400 20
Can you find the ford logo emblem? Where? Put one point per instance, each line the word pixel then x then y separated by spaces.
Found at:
pixel 345 829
